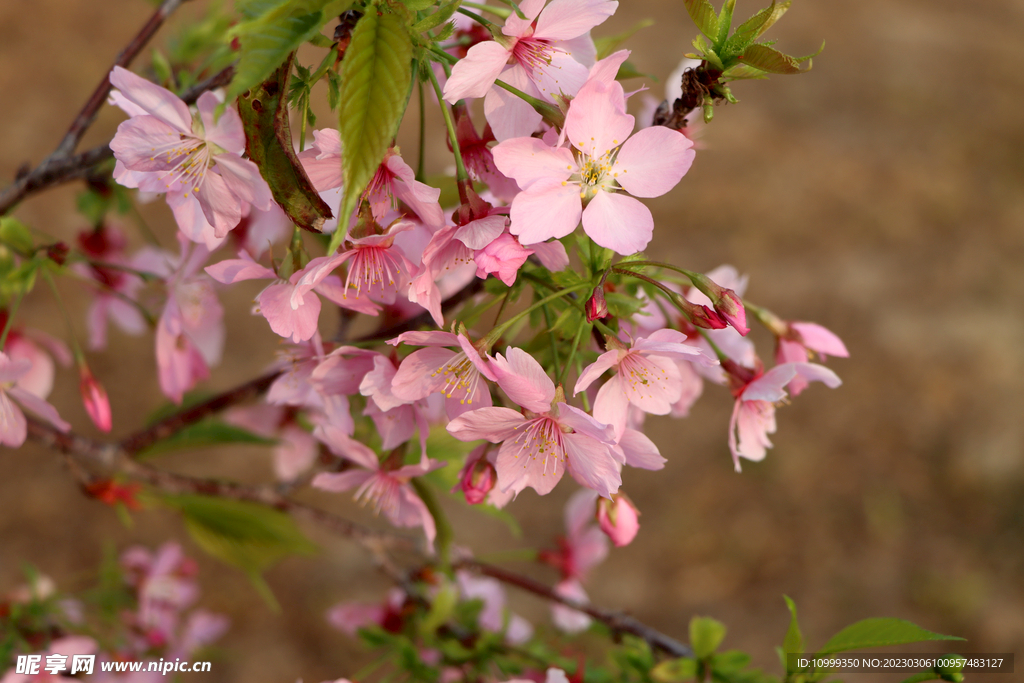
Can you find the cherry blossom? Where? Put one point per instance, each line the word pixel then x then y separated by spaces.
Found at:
pixel 753 415
pixel 800 340
pixel 538 446
pixel 561 185
pixel 544 55
pixel 13 427
pixel 386 487
pixel 196 160
pixel 118 288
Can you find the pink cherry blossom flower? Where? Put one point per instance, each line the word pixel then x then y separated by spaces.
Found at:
pixel 292 318
pixel 502 257
pixel 458 375
pixel 646 376
pixel 753 416
pixel 349 617
pixel 376 263
pixel 544 55
pixel 94 397
pixel 551 437
pixel 802 339
pixel 13 427
pixel 393 182
pixel 387 489
pixel 558 181
pixel 477 156
pixel 296 449
pixel 195 160
pixel 190 333
pixel 39 351
pixel 395 418
pixel 493 615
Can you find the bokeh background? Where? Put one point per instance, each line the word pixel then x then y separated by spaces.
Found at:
pixel 879 195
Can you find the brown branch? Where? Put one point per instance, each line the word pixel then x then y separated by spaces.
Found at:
pixel 88 113
pixel 616 621
pixel 56 170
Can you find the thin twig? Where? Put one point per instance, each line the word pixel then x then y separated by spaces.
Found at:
pixel 616 621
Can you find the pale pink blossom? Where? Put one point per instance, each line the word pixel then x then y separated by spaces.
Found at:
pixel 190 333
pixel 295 451
pixel 477 156
pixel 13 426
pixel 394 181
pixel 196 160
pixel 545 55
pixel 387 489
pixel 646 375
pixel 551 437
pixel 502 257
pixel 493 615
pixel 753 415
pixel 459 375
pixel 562 185
pixel 396 419
pixel 800 341
pixel 94 397
pixel 349 617
pixel 39 350
pixel 112 300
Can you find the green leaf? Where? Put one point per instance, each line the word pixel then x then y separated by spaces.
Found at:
pixel 673 670
pixel 268 143
pixel 15 235
pixel 608 44
pixel 249 536
pixel 274 31
pixel 441 609
pixel 725 22
pixel 769 59
pixel 443 14
pixel 878 633
pixel 203 435
pixel 794 640
pixel 706 634
pixel 376 79
pixel 703 14
pixel 748 31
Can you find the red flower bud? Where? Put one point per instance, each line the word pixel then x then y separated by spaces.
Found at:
pixel 618 519
pixel 94 396
pixel 478 478
pixel 597 306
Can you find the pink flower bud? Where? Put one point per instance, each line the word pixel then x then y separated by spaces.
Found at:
pixel 702 316
pixel 730 307
pixel 478 478
pixel 618 519
pixel 597 306
pixel 94 396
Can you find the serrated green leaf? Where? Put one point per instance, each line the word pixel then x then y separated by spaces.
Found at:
pixel 706 634
pixel 725 22
pixel 333 89
pixel 268 143
pixel 249 536
pixel 748 31
pixel 320 40
pixel 704 16
pixel 273 33
pixel 794 640
pixel 443 14
pixel 205 434
pixel 742 72
pixel 251 9
pixel 769 59
pixel 608 44
pixel 376 79
pixel 674 670
pixel 15 235
pixel 879 632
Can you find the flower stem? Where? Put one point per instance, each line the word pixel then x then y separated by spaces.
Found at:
pixel 491 26
pixel 551 340
pixel 551 113
pixel 496 332
pixel 584 325
pixel 10 320
pixel 496 11
pixel 460 168
pixel 420 164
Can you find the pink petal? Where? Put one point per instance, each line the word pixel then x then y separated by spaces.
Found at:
pixel 608 68
pixel 493 424
pixel 822 340
pixel 519 466
pixel 567 619
pixel 13 427
pixel 566 19
pixel 516 27
pixel 769 386
pixel 36 405
pixel 296 324
pixel 244 180
pixel 591 464
pixel 481 232
pixel 597 121
pixel 611 405
pixel 640 451
pixel 582 423
pixel 481 363
pixel 235 270
pixel 563 75
pixel 617 222
pixel 159 102
pixel 419 197
pixel 225 132
pixel 221 206
pixel 336 482
pixel 653 161
pixel 551 255
pixel 550 209
pixel 137 141
pixel 508 115
pixel 528 160
pixel 473 75
pixel 295 454
pixel 334 290
pixel 188 214
pixel 605 361
pixel 521 377
pixel 429 338
pixel 420 373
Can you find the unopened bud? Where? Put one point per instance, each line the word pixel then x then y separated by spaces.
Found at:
pixel 58 253
pixel 478 478
pixel 94 396
pixel 702 316
pixel 618 519
pixel 728 305
pixel 597 306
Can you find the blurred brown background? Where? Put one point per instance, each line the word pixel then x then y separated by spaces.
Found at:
pixel 879 195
